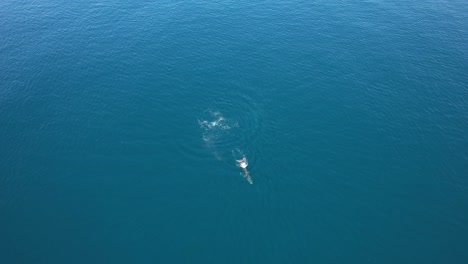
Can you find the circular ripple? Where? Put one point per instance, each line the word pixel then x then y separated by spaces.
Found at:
pixel 237 125
pixel 230 121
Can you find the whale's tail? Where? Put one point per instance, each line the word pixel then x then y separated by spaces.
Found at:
pixel 242 162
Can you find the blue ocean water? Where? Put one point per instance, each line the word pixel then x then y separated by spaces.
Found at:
pixel 120 123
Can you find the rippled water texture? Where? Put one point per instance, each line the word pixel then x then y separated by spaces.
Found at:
pixel 124 124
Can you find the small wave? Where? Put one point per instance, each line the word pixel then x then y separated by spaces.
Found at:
pixel 216 132
pixel 215 120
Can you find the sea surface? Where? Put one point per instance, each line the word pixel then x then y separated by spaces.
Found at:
pixel 121 122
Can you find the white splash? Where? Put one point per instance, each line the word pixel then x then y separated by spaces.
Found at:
pixel 242 163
